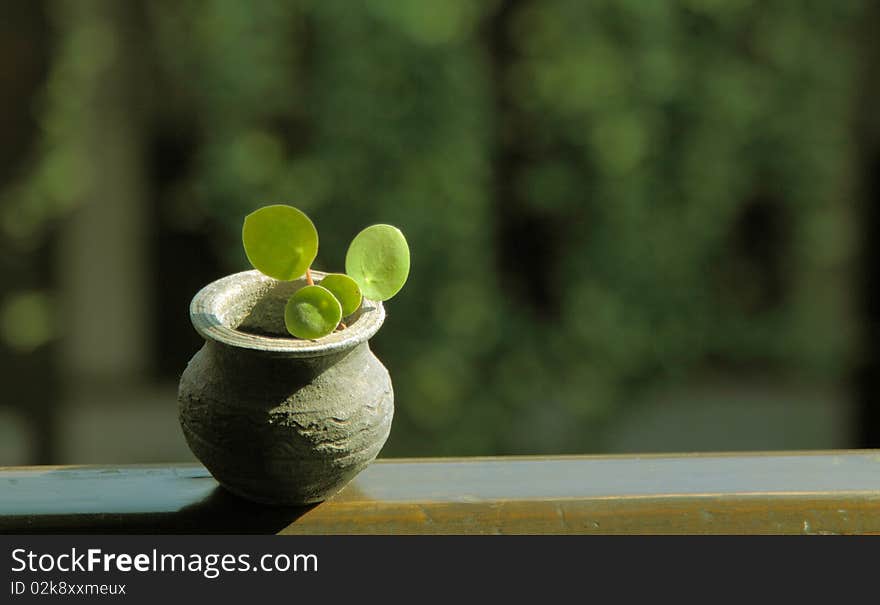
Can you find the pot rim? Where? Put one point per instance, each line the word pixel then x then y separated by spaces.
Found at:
pixel 209 308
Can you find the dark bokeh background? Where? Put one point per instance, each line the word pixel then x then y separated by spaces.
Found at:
pixel 635 226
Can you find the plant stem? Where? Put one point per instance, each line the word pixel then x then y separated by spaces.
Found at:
pixel 309 279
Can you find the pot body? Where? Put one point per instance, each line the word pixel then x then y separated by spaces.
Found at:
pixel 284 421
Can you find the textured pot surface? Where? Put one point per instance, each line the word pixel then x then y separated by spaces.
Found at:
pixel 273 418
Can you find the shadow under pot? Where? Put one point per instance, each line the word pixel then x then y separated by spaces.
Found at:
pixel 276 419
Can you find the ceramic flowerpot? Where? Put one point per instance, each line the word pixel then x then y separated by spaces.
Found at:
pixel 276 419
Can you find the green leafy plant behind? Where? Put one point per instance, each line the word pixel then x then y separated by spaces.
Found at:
pixel 281 242
pixel 346 291
pixel 378 260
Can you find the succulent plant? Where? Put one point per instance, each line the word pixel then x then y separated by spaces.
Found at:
pixel 281 242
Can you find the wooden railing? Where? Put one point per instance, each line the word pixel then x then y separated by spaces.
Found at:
pixel 804 492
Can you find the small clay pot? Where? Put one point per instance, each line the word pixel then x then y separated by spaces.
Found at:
pixel 276 419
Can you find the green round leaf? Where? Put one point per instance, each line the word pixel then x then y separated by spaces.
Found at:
pixel 280 241
pixel 312 312
pixel 346 291
pixel 378 260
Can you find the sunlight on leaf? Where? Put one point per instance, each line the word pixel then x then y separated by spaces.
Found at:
pixel 378 260
pixel 279 241
pixel 312 312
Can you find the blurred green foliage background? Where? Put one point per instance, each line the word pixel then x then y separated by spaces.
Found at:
pixel 601 197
